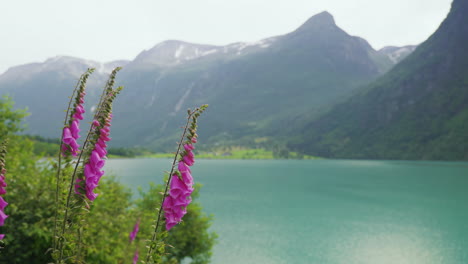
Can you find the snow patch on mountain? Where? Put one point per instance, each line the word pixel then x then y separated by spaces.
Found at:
pixel 174 52
pixel 65 65
pixel 397 54
pixel 179 51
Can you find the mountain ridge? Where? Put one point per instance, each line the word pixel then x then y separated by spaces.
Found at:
pixel 417 110
pixel 299 75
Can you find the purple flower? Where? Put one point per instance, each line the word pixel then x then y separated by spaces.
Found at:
pixel 135 257
pixel 170 220
pixel 189 160
pixel 181 183
pixel 185 173
pixel 135 231
pixel 75 129
pixel 102 143
pixel 175 204
pixel 178 187
pixel 92 169
pixel 167 204
pixel 79 108
pixel 2 184
pixel 91 195
pixel 3 204
pixel 105 137
pixel 67 136
pixel 71 132
pixel 183 200
pixel 3 216
pixel 78 116
pixel 189 147
pixel 92 176
pixel 102 152
pixel 96 161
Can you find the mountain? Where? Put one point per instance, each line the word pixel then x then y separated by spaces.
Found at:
pixel 418 110
pixel 65 65
pixel 397 54
pixel 257 92
pixel 44 89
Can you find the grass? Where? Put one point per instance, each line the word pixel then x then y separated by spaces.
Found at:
pixel 238 153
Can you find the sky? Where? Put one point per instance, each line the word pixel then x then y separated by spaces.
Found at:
pixel 106 30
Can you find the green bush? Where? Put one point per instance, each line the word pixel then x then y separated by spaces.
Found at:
pixel 31 198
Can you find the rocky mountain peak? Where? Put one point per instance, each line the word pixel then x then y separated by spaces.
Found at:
pixel 321 20
pixel 172 52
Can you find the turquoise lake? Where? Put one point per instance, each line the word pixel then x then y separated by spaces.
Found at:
pixel 326 211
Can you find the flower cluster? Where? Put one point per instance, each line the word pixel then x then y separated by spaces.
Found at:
pixel 135 257
pixel 71 132
pixel 92 169
pixel 3 184
pixel 134 232
pixel 132 237
pixel 175 205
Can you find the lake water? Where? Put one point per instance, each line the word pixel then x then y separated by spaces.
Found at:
pixel 327 211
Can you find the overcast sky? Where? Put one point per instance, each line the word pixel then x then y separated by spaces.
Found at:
pixel 105 30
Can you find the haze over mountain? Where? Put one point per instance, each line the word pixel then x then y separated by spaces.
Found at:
pixel 418 110
pixel 257 91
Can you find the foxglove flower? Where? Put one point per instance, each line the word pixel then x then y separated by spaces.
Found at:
pixel 181 187
pixel 134 231
pixel 71 133
pixel 3 216
pixel 186 173
pixel 3 184
pixel 92 169
pixel 135 257
pixel 3 204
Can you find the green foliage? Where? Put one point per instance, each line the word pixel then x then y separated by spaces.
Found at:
pixel 30 194
pixel 10 120
pixel 29 228
pixel 190 239
pixel 248 153
pixel 45 147
pixel 31 205
pixel 128 152
pixel 104 235
pixel 108 224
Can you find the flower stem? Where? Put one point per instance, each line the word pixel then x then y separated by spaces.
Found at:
pixel 153 238
pixel 59 163
pixel 73 178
